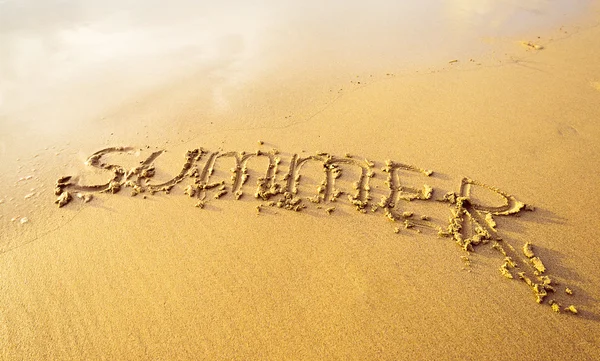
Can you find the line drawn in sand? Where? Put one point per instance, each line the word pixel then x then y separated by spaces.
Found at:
pixel 470 224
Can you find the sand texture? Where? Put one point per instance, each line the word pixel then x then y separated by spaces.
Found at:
pixel 315 203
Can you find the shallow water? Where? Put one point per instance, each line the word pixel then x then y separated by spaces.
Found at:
pixel 54 50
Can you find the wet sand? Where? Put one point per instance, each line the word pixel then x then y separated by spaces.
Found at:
pixel 433 204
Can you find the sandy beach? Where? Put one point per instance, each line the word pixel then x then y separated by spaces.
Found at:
pixel 284 181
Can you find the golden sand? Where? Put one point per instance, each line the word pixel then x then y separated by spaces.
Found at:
pixel 314 203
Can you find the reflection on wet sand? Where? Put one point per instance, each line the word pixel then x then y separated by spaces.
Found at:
pixel 54 50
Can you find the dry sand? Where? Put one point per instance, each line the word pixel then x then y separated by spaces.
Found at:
pixel 151 256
